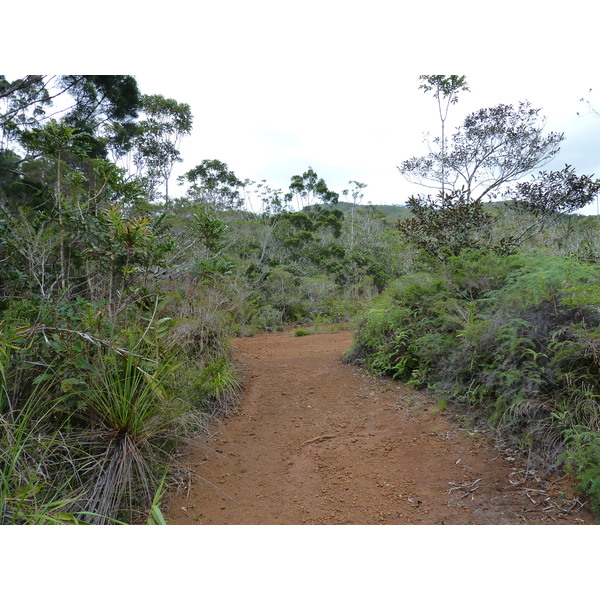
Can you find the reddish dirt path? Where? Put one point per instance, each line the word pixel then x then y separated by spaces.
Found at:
pixel 319 442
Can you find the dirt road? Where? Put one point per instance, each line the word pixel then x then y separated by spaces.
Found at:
pixel 318 442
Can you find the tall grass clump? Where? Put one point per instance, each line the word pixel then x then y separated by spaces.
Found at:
pixel 133 421
pixel 214 387
pixel 37 483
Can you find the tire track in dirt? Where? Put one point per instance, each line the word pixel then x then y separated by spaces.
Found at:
pixel 315 441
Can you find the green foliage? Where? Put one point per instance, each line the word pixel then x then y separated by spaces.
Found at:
pixel 25 99
pixel 302 332
pixel 209 229
pixel 445 85
pixel 514 342
pixel 583 459
pixel 214 185
pixel 56 139
pixel 105 108
pixel 308 188
pixel 447 226
pixel 101 106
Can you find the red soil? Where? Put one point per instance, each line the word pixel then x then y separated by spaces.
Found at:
pixel 318 442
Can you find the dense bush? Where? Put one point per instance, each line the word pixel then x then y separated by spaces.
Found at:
pixel 514 339
pixel 90 418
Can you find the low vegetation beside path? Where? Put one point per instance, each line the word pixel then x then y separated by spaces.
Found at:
pixel 514 339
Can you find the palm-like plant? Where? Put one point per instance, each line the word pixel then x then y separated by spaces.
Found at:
pixel 133 417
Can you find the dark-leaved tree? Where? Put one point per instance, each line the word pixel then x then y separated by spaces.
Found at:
pixel 494 147
pixel 445 225
pixel 106 107
pixel 549 197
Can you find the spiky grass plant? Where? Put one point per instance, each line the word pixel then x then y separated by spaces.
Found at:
pixel 134 421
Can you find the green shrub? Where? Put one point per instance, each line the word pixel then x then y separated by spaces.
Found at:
pixel 514 338
pixel 268 317
pixel 215 388
pixel 583 459
pixel 302 332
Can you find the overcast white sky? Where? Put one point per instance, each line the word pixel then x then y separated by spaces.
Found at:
pixel 277 86
pixel 357 130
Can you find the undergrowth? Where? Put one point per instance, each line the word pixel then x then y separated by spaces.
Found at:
pixel 513 339
pixel 92 415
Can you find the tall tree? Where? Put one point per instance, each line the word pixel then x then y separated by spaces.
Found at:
pixel 23 102
pixel 214 184
pixel 309 188
pixel 493 147
pixel 103 106
pixel 106 107
pixel 356 191
pixel 445 90
pixel 57 141
pixel 159 136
